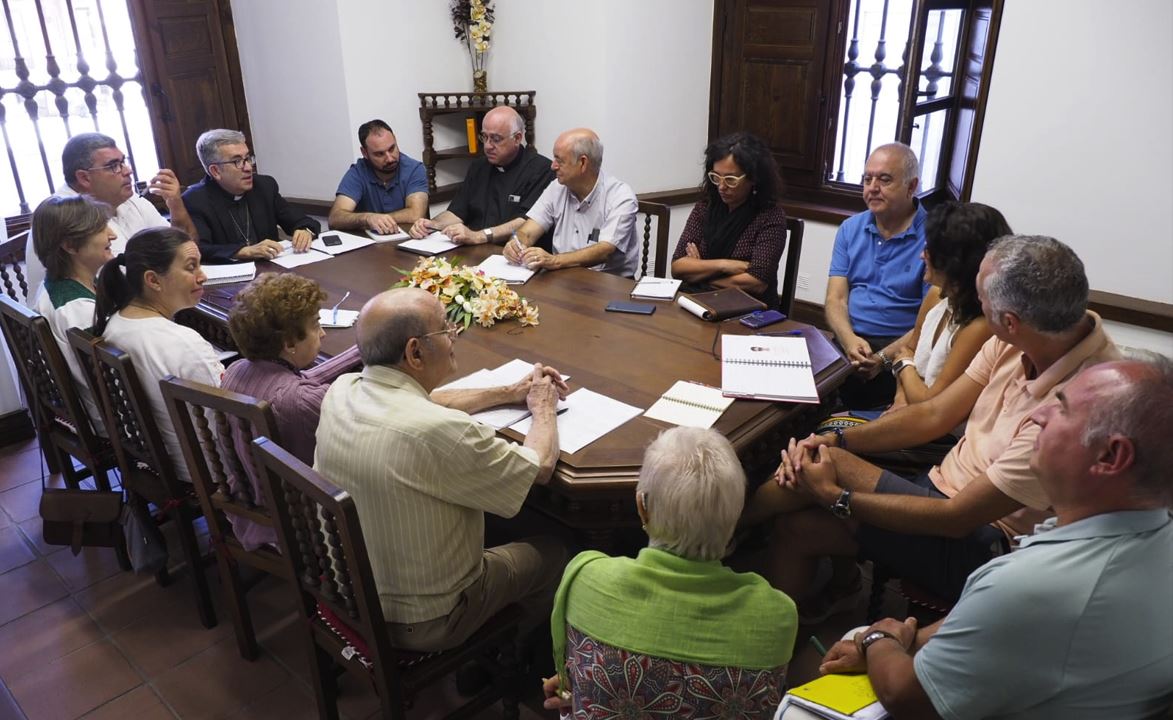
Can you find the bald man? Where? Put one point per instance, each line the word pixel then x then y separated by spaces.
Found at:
pixel 499 188
pixel 592 213
pixel 423 474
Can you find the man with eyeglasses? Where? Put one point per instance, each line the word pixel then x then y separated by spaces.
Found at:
pixel 383 189
pixel 592 214
pixel 93 165
pixel 499 188
pixel 423 473
pixel 236 211
pixel 877 275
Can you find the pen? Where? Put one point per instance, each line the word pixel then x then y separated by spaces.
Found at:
pixel 818 645
pixel 334 318
pixel 561 410
pixel 787 333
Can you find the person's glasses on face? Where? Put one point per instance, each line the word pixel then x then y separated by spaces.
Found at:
pixel 884 180
pixel 729 181
pixel 451 329
pixel 238 162
pixel 114 167
pixel 493 138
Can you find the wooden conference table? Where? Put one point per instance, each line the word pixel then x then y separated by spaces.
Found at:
pixel 632 358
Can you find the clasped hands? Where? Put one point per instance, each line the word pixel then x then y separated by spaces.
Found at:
pixel 847 656
pixel 808 467
pixel 542 388
pixel 458 233
pixel 533 258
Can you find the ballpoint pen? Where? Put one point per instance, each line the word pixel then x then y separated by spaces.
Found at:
pixel 334 316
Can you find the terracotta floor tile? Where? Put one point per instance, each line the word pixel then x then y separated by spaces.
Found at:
pixel 14 551
pixel 27 588
pixel 91 565
pixel 218 682
pixel 5 521
pixel 9 710
pixel 289 701
pixel 93 675
pixel 167 635
pixel 22 503
pixel 358 699
pixel 31 529
pixel 19 447
pixel 43 636
pixel 285 642
pixel 123 598
pixel 141 704
pixel 20 468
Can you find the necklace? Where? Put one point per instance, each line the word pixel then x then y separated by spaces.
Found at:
pixel 244 234
pixel 150 308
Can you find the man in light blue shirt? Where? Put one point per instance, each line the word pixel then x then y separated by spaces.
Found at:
pixel 1077 622
pixel 876 281
pixel 383 189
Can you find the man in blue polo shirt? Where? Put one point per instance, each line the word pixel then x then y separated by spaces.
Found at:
pixel 383 189
pixel 877 275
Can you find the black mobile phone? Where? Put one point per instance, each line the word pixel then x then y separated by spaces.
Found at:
pixel 630 307
pixel 331 240
pixel 762 318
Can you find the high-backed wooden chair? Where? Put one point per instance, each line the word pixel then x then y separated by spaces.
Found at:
pixel 62 423
pixel 660 215
pixel 148 473
pixel 794 230
pixel 12 267
pixel 216 428
pixel 322 541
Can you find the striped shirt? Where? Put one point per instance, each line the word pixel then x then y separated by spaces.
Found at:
pixel 422 476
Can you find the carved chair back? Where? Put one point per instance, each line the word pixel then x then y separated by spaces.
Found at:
pixel 12 260
pixel 659 215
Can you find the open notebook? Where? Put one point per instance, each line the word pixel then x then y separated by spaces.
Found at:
pixel 761 367
pixel 690 404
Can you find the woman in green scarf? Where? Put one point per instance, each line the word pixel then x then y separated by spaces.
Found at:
pixel 673 630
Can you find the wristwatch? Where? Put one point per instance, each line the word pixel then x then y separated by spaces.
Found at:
pixel 899 365
pixel 874 636
pixel 884 359
pixel 488 234
pixel 842 506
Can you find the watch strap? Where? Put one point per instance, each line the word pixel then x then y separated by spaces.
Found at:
pixel 874 637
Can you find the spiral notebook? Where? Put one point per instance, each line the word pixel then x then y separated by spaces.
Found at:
pixel 690 404
pixel 759 367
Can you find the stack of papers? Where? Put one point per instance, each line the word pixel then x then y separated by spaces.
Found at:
pixel 393 237
pixel 347 242
pixel 289 259
pixel 497 266
pixel 337 318
pixel 433 244
pixel 654 288
pixel 833 697
pixel 589 416
pixel 223 274
pixel 509 373
pixel 690 404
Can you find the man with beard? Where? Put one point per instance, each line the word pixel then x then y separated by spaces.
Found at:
pixel 235 210
pixel 383 189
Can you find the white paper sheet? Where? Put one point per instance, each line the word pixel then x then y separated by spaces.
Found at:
pixel 433 244
pixel 589 416
pixel 346 318
pixel 507 374
pixel 497 266
pixel 654 288
pixel 289 259
pixel 224 274
pixel 349 242
pixel 393 237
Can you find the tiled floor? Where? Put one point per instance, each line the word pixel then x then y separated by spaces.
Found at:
pixel 79 638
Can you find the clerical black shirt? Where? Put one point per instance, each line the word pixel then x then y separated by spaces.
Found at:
pixel 492 195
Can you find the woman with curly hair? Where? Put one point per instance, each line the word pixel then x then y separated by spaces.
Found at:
pixel 735 236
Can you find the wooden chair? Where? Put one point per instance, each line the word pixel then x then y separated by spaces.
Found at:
pixel 216 428
pixel 661 214
pixel 794 230
pixel 147 470
pixel 322 541
pixel 12 267
pixel 62 424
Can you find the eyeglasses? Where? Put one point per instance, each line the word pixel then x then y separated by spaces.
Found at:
pixel 885 180
pixel 451 329
pixel 494 139
pixel 239 162
pixel 729 181
pixel 114 167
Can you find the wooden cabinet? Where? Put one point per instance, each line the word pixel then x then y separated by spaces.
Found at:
pixel 453 110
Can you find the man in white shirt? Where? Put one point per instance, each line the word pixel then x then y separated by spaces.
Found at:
pixel 594 214
pixel 93 165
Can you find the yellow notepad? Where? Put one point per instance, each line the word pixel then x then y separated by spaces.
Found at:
pixel 846 694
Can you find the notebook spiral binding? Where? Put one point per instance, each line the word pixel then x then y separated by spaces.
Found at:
pixel 690 403
pixel 777 363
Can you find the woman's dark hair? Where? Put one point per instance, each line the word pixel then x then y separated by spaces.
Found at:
pixel 271 311
pixel 61 224
pixel 957 236
pixel 151 249
pixel 754 158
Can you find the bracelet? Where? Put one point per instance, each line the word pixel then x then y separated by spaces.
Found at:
pixel 899 366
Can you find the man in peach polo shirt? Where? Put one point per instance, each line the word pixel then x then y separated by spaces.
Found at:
pixel 937 528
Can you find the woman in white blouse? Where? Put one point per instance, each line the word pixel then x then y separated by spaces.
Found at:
pixel 135 310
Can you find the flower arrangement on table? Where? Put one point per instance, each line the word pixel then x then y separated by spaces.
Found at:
pixel 472 20
pixel 468 294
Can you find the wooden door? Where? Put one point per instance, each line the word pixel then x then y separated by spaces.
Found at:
pixel 192 74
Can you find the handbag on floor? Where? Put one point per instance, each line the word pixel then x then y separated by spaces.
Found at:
pixel 144 543
pixel 80 518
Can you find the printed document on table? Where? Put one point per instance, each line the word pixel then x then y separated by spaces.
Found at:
pixel 289 259
pixel 498 267
pixel 349 242
pixel 433 244
pixel 223 274
pixel 589 416
pixel 393 237
pixel 344 318
pixel 507 374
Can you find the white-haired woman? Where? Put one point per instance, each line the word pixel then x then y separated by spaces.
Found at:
pixel 678 613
